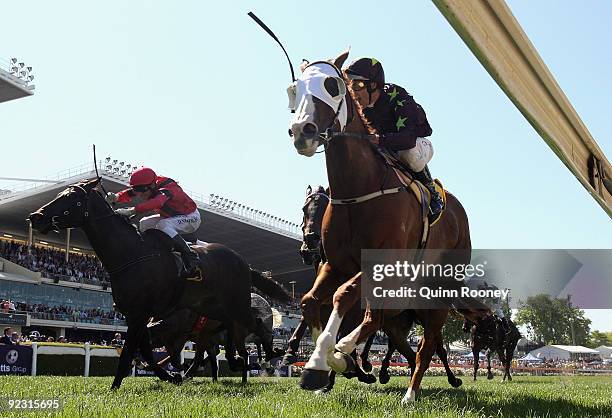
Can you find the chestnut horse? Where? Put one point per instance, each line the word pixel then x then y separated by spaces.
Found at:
pixel 370 209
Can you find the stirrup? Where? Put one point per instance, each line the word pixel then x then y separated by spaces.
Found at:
pixel 197 276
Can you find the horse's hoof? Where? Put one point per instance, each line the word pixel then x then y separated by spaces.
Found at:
pixel 384 378
pixel 409 397
pixel 366 366
pixel 176 378
pixel 313 379
pixel 456 383
pixel 367 378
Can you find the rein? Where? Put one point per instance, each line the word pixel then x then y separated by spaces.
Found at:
pixel 133 263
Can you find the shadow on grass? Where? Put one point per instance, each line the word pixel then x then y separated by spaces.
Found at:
pixel 489 403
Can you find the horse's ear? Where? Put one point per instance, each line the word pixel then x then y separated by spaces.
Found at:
pixel 340 59
pixel 308 190
pixel 90 184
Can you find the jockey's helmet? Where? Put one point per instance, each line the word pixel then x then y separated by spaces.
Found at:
pixel 369 69
pixel 142 176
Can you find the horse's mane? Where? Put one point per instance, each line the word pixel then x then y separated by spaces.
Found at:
pixel 358 108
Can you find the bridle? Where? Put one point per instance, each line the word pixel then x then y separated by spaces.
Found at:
pixel 84 201
pixel 309 199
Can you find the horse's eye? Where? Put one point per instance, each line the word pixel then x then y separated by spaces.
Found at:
pixel 66 212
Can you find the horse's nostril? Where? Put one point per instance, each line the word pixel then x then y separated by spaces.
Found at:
pixel 309 130
pixel 290 133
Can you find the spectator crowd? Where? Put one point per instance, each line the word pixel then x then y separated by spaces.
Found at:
pixel 51 263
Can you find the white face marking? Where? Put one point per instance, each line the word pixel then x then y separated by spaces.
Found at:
pixel 301 94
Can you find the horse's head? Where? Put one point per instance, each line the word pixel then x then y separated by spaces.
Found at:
pixel 68 210
pixel 314 209
pixel 319 99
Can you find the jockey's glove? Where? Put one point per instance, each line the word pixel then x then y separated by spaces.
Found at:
pixel 127 212
pixel 111 197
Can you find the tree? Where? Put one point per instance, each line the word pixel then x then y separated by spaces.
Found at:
pixel 553 321
pixel 597 338
pixel 452 331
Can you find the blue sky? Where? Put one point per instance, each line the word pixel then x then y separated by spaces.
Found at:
pixel 197 91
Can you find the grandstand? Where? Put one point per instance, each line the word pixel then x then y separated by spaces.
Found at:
pixel 59 283
pixel 15 79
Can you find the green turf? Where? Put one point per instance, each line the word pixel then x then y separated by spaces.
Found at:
pixel 524 396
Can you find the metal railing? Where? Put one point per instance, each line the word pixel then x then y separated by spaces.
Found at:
pixel 209 202
pixel 76 318
pixel 74 279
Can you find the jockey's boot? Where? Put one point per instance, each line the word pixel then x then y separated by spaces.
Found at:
pixel 436 203
pixel 190 258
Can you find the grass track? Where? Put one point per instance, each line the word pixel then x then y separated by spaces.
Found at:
pixel 524 396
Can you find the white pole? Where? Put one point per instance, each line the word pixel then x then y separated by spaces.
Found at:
pixel 87 359
pixel 34 357
pixel 67 244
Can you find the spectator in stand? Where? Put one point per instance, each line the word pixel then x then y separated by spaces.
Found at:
pixel 52 263
pixel 117 341
pixel 7 336
pixel 62 339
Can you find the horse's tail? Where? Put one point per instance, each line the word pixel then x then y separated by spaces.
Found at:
pixel 269 287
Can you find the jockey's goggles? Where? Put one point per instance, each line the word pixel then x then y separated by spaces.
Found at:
pixel 141 188
pixel 358 85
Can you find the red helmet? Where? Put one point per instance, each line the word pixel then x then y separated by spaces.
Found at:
pixel 142 176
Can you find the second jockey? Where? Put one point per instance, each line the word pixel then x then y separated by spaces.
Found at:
pixel 175 212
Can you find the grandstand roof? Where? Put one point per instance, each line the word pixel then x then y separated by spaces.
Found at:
pixel 12 88
pixel 264 246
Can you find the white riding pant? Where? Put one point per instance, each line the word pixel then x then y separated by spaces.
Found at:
pixel 417 158
pixel 180 224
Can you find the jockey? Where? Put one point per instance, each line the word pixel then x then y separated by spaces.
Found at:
pixel 494 303
pixel 401 122
pixel 176 213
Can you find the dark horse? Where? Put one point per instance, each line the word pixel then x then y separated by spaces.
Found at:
pixel 144 273
pixel 183 325
pixel 489 335
pixel 312 253
pixel 370 209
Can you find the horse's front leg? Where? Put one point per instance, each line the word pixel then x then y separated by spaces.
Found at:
pixel 489 374
pixel 339 360
pixel 323 289
pixel 476 354
pixel 293 345
pixel 316 371
pixel 365 354
pixel 132 340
